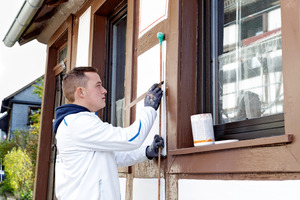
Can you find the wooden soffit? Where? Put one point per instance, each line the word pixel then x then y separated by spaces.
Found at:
pixel 48 19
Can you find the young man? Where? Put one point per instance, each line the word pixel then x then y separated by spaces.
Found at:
pixel 90 150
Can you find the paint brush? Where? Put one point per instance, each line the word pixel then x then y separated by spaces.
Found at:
pixel 160 84
pixel 141 97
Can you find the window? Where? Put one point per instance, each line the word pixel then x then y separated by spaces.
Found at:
pixel 62 53
pixel 60 68
pixel 245 68
pixel 116 67
pixel 32 110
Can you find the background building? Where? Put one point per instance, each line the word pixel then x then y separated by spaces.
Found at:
pixel 18 107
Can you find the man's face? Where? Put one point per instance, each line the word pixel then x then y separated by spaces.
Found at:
pixel 94 92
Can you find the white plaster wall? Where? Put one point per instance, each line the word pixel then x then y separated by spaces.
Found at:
pixel 238 190
pixel 151 13
pixel 148 74
pixel 82 57
pixel 147 189
pixel 122 187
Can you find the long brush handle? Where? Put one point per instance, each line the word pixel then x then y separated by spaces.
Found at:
pixel 160 37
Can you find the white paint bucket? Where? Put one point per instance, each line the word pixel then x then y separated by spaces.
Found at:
pixel 202 127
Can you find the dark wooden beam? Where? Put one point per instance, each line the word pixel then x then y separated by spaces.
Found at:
pixel 44 147
pixel 55 3
pixel 46 16
pixel 30 36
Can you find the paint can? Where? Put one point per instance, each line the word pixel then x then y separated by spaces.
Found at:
pixel 202 127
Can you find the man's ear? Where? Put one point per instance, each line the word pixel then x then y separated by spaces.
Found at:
pixel 80 92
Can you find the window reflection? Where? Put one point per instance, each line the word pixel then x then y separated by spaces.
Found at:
pixel 250 61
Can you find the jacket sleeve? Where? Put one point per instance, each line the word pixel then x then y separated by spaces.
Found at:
pixel 85 131
pixel 128 158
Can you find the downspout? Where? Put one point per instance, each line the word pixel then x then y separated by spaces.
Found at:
pixel 23 19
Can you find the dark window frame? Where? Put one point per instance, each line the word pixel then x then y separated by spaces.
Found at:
pixel 119 13
pixel 248 129
pixel 182 95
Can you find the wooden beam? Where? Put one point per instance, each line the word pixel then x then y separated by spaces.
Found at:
pixel 44 146
pixel 46 16
pixel 55 3
pixel 283 139
pixel 30 36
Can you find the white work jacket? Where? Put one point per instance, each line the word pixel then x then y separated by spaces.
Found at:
pixel 89 152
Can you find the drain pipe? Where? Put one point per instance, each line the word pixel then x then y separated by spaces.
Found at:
pixel 23 19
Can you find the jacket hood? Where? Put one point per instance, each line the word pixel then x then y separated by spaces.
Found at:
pixel 62 111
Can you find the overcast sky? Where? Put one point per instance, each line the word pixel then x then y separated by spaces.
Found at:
pixel 19 65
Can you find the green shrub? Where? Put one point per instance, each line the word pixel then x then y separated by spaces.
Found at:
pixel 19 155
pixel 18 170
pixel 6 146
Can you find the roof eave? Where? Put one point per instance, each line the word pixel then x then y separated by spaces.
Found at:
pixel 22 21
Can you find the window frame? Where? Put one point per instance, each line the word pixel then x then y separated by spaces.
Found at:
pixel 268 126
pixel 192 51
pixel 268 155
pixel 100 12
pixel 117 15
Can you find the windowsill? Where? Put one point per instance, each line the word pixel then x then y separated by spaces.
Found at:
pixel 276 140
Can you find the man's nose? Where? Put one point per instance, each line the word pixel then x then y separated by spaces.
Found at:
pixel 104 91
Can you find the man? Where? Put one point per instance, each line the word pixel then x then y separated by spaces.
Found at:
pixel 89 150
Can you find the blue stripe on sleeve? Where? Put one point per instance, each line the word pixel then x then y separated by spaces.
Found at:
pixel 137 133
pixel 65 122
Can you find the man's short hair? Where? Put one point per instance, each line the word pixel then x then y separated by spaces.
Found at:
pixel 74 79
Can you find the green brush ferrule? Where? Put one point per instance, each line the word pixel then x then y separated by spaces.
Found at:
pixel 160 37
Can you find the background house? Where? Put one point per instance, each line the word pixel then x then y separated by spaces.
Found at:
pixel 236 59
pixel 18 107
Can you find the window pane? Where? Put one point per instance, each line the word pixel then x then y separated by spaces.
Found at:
pixel 31 112
pixel 118 71
pixel 250 60
pixel 62 54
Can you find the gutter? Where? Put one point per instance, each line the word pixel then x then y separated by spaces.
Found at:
pixel 21 22
pixel 34 103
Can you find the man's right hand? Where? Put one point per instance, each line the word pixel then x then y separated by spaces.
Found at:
pixel 153 97
pixel 153 149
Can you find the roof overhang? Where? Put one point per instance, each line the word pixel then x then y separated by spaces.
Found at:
pixel 5 102
pixel 21 22
pixel 39 19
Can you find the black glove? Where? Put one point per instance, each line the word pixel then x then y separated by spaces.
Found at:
pixel 152 150
pixel 153 97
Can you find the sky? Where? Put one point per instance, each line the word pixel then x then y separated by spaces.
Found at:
pixel 19 65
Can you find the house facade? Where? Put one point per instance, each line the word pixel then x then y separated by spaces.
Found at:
pixel 17 109
pixel 235 59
